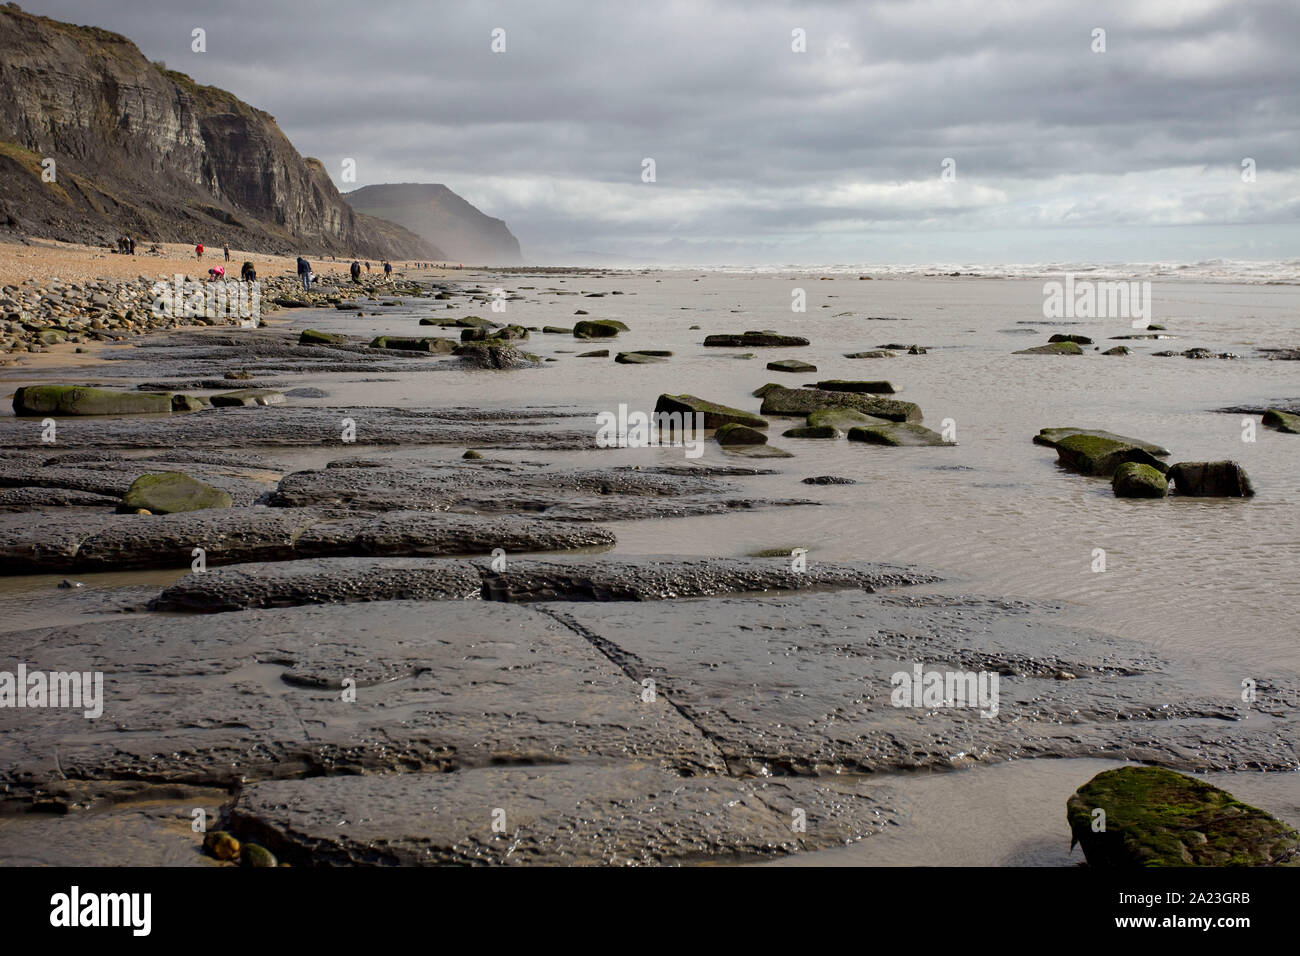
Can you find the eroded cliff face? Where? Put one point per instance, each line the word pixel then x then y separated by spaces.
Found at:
pixel 143 149
pixel 433 211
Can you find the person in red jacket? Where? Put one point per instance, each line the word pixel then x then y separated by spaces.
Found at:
pixel 198 251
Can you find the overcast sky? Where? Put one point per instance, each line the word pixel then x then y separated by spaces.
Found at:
pixel 767 155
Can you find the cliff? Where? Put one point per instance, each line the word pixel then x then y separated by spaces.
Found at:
pixel 142 149
pixel 437 214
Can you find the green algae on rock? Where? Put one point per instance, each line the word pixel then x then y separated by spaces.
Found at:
pixel 1156 817
pixel 171 491
pixel 1051 436
pixel 899 434
pixel 598 328
pixel 85 400
pixel 246 397
pixel 1136 480
pixel 734 433
pixel 1052 348
pixel 313 337
pixel 1282 421
pixel 1098 456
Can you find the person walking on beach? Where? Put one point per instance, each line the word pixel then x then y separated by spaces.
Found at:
pixel 248 273
pixel 367 265
pixel 304 273
pixel 226 249
pixel 355 269
pixel 130 245
pixel 388 269
pixel 198 251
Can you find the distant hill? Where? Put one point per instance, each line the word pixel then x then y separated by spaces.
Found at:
pixel 142 149
pixel 438 215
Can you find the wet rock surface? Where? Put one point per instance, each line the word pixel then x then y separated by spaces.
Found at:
pixel 576 578
pixel 677 731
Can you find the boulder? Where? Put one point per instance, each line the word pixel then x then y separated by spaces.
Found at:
pixel 733 433
pixel 428 343
pixel 1156 817
pixel 1136 480
pixel 802 401
pixel 1282 421
pixel 715 415
pixel 187 403
pixel 1050 436
pixel 763 339
pixel 1094 455
pixel 791 365
pixel 764 389
pixel 1211 479
pixel 82 400
pixel 845 385
pixel 169 492
pixel 313 337
pixel 598 328
pixel 247 397
pixel 495 355
pixel 1052 348
pixel 898 434
pixel 1068 337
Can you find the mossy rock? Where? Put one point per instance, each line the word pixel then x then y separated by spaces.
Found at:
pixel 761 339
pixel 715 415
pixel 757 451
pixel 1098 456
pixel 1051 436
pixel 846 385
pixel 842 419
pixel 188 403
pixel 1053 348
pixel 495 355
pixel 1282 421
pixel 51 336
pixel 1117 350
pixel 734 433
pixel 803 401
pixel 170 492
pixel 1070 337
pixel 1136 480
pixel 313 337
pixel 791 365
pixel 1211 479
pixel 247 397
pixel 898 435
pixel 83 400
pixel 427 343
pixel 472 455
pixel 1156 817
pixel 556 330
pixel 811 431
pixel 598 328
pixel 253 855
pixel 220 845
pixel 764 389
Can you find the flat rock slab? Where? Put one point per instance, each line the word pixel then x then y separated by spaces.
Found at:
pixel 802 401
pixel 288 426
pixel 58 543
pixel 1051 437
pixel 437 687
pixel 594 494
pixel 579 814
pixel 803 684
pixel 577 578
pixel 899 434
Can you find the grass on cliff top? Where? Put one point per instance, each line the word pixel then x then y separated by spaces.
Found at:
pixel 32 163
